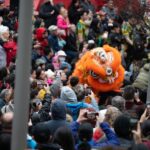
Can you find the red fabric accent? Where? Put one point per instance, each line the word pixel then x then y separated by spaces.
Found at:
pixel 97 135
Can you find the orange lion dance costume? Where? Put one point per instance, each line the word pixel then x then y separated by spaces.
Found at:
pixel 101 69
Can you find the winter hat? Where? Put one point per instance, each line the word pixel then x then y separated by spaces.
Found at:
pixel 61 53
pixel 68 95
pixel 85 132
pixel 40 62
pixel 50 73
pixel 39 33
pixel 52 28
pixel 58 110
pixel 55 90
pixel 63 66
pixel 91 42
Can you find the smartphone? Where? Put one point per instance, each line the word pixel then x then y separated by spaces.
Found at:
pixel 92 115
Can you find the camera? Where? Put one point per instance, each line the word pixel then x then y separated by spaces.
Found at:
pixel 91 115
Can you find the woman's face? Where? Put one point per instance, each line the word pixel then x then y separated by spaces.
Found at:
pixel 9 95
pixel 42 75
pixel 33 75
pixel 63 12
pixel 6 35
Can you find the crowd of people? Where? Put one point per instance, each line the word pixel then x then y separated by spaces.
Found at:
pixel 65 114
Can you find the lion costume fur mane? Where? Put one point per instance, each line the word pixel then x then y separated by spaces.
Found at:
pixel 101 69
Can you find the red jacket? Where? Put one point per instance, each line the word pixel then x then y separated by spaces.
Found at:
pixel 11 50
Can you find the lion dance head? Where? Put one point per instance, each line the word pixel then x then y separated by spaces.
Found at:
pixel 101 69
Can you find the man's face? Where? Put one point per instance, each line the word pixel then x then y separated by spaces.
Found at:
pixel 55 32
pixel 110 4
pixel 132 21
pixel 85 16
pixel 45 34
pixel 42 76
pixel 117 29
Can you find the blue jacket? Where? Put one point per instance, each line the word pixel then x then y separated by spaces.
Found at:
pixel 75 108
pixel 111 136
pixel 53 42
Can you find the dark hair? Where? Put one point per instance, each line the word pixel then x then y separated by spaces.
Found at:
pixel 3 73
pixel 85 132
pixel 73 2
pixel 80 92
pixel 38 73
pixel 5 141
pixel 49 66
pixel 41 133
pixel 84 146
pixel 94 24
pixel 82 12
pixel 64 138
pixel 33 93
pixel 35 118
pixel 47 50
pixel 122 126
pixel 146 128
pixel 34 84
pixel 128 92
pixel 10 79
pixel 91 46
pixel 74 81
pixel 59 6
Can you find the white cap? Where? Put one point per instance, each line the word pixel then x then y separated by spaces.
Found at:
pixel 52 28
pixel 91 42
pixel 49 73
pixel 61 53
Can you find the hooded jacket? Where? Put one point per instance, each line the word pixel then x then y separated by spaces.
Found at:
pixel 39 36
pixel 58 111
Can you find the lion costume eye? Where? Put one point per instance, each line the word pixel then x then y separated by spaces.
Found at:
pixel 93 74
pixel 109 71
pixel 103 56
